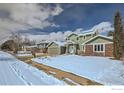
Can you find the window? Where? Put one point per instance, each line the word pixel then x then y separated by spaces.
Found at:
pixel 77 38
pixel 67 38
pixel 99 48
pixel 94 35
pixel 102 47
pixel 95 48
pixel 84 37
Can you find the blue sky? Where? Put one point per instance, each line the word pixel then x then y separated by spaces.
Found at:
pixel 85 15
pixel 47 18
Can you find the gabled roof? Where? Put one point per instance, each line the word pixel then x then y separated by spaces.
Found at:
pixel 58 43
pixel 88 32
pixel 109 38
pixel 32 46
pixel 43 42
pixel 70 42
pixel 72 34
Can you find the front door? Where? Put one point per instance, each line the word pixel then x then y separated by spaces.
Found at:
pixel 72 50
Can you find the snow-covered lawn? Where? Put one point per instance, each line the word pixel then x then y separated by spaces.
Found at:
pixel 16 72
pixel 99 69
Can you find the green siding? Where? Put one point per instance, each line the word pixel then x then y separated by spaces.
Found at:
pixel 99 40
pixel 53 45
pixel 88 37
pixel 82 40
pixel 73 37
pixel 54 48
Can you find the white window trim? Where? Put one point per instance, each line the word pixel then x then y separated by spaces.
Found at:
pixel 83 48
pixel 99 43
pixel 100 47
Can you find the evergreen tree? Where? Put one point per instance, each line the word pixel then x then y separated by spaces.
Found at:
pixel 117 50
pixel 122 43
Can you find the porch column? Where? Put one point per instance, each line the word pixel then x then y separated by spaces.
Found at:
pixel 67 48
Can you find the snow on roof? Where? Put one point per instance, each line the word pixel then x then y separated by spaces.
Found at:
pixel 43 41
pixel 59 43
pixel 100 28
pixel 32 46
pixel 88 32
pixel 72 34
pixel 110 38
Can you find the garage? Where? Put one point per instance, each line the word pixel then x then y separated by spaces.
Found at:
pixel 56 48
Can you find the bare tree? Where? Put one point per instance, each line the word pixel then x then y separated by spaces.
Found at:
pixel 16 37
pixel 27 41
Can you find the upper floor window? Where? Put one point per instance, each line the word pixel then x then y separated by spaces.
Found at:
pixel 84 37
pixel 93 35
pixel 67 38
pixel 77 38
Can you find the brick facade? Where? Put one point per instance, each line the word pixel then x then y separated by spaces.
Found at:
pixel 89 50
pixel 108 51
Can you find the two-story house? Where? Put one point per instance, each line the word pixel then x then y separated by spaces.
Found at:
pixel 90 43
pixel 78 39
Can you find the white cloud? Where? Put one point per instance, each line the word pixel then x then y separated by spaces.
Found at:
pixel 78 30
pixel 25 16
pixel 53 36
pixel 60 36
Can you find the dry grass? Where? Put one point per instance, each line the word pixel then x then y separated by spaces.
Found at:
pixel 63 74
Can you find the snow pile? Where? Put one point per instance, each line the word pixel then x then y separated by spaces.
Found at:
pixel 100 69
pixel 15 72
pixel 59 43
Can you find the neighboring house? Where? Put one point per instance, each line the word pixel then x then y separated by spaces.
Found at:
pixel 56 48
pixel 98 46
pixel 29 47
pixel 42 46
